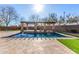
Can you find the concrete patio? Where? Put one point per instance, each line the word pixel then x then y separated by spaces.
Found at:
pixel 31 45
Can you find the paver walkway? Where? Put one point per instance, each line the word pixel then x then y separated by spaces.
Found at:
pixel 32 46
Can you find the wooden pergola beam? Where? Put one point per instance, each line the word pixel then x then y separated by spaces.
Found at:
pixel 35 25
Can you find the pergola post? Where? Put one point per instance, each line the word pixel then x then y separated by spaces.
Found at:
pixel 22 28
pixel 35 26
pixel 44 27
pixel 27 26
pixel 53 27
pixel 41 27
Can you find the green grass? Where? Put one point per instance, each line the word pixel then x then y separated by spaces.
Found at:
pixel 73 44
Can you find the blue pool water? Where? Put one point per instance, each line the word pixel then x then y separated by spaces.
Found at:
pixel 33 35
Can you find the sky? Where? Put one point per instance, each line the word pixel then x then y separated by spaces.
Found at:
pixel 26 10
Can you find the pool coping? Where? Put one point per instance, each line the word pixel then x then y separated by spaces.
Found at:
pixel 66 36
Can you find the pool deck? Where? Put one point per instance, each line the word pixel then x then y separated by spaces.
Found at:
pixel 31 45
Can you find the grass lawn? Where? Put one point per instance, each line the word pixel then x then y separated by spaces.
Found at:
pixel 73 44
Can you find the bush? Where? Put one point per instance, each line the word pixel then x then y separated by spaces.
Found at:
pixel 73 31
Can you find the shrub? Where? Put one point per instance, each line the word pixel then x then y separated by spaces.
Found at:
pixel 73 30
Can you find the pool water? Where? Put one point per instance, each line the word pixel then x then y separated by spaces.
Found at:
pixel 33 35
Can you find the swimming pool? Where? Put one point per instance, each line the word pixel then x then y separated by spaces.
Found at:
pixel 34 35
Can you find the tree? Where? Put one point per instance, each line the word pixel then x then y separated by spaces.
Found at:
pixel 1 24
pixel 68 18
pixel 45 19
pixel 73 20
pixel 52 17
pixel 22 19
pixel 76 19
pixel 61 20
pixel 8 14
pixel 34 18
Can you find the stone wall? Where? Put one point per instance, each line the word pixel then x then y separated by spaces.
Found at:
pixel 58 28
pixel 67 28
pixel 3 28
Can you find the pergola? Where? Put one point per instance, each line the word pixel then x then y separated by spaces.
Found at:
pixel 37 26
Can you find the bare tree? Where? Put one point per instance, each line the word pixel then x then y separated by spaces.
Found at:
pixel 8 14
pixel 61 20
pixel 68 17
pixel 73 20
pixel 34 18
pixel 52 17
pixel 76 19
pixel 22 19
pixel 45 19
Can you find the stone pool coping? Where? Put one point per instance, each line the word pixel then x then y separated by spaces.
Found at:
pixel 21 46
pixel 51 46
pixel 9 33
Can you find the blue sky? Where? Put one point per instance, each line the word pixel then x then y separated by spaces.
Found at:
pixel 26 10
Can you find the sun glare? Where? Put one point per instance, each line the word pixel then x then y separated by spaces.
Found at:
pixel 38 7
